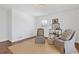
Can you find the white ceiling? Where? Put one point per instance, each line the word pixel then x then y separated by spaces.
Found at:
pixel 38 9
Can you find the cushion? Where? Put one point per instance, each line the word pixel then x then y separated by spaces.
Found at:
pixel 40 31
pixel 67 34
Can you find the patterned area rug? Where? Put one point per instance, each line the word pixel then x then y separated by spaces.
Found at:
pixel 30 47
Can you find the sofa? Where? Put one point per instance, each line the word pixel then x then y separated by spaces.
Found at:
pixel 66 44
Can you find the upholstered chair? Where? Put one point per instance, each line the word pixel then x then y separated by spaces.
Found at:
pixel 40 36
pixel 66 44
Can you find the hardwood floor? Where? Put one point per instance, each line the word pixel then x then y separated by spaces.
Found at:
pixel 30 47
pixel 77 46
pixel 4 47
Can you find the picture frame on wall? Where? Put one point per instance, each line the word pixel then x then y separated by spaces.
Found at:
pixel 55 20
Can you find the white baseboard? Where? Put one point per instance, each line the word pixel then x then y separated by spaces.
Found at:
pixel 3 40
pixel 15 40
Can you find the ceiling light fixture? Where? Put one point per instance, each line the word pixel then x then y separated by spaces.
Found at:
pixel 40 6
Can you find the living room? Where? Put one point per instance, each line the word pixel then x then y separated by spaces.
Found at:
pixel 19 22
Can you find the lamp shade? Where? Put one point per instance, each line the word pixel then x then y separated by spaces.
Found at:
pixel 44 22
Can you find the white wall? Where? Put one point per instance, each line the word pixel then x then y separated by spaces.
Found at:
pixel 23 25
pixel 9 24
pixel 3 24
pixel 15 25
pixel 67 19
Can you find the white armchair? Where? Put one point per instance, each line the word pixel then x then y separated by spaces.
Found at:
pixel 66 44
